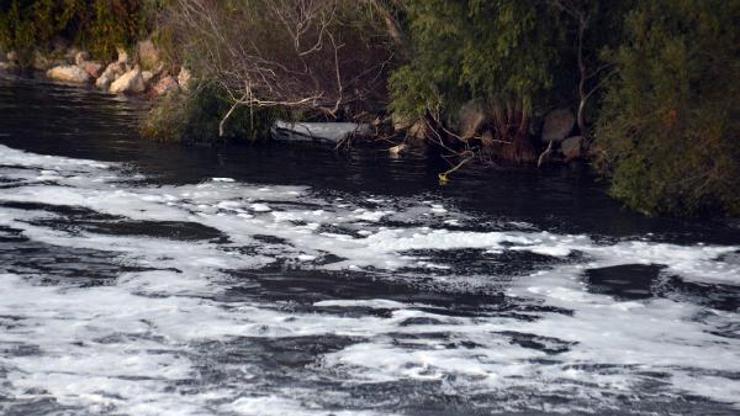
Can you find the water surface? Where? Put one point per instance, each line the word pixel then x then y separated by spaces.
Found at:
pixel 149 279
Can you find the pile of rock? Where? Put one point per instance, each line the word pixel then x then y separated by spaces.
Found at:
pixel 557 127
pixel 146 73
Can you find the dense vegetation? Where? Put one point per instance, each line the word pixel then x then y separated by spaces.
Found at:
pixel 652 84
pixel 97 25
pixel 669 122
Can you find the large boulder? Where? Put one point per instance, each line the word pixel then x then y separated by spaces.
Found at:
pixel 558 124
pixel 111 73
pixel 68 73
pixel 473 117
pixel 165 85
pixel 147 76
pixel 572 148
pixel 148 54
pixel 129 83
pixel 122 56
pixel 94 69
pixel 8 67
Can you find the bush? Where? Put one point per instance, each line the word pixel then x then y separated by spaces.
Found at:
pixel 325 56
pixel 669 123
pixel 194 117
pixel 497 52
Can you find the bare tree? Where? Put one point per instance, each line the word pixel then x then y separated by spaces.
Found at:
pixel 325 56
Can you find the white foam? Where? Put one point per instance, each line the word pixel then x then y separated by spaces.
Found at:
pixel 95 342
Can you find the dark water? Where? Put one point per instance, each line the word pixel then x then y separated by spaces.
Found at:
pixel 139 278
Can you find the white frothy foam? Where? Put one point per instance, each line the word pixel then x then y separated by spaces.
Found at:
pixel 126 347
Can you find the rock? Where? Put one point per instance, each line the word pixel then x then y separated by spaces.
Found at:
pixel 94 69
pixel 397 150
pixel 12 56
pixel 400 123
pixel 572 148
pixel 8 67
pixel 111 73
pixel 122 56
pixel 184 78
pixel 558 124
pixel 129 83
pixel 68 73
pixel 81 57
pixel 473 117
pixel 148 54
pixel 147 76
pixel 40 62
pixel 165 85
pixel 418 130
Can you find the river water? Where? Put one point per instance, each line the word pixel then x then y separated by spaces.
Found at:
pixel 149 279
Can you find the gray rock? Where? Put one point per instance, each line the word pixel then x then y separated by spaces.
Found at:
pixel 129 83
pixel 558 124
pixel 94 69
pixel 418 130
pixel 6 67
pixel 122 56
pixel 12 56
pixel 147 76
pixel 165 85
pixel 473 117
pixel 400 123
pixel 68 73
pixel 572 148
pixel 111 73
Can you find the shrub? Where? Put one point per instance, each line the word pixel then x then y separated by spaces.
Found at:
pixel 669 123
pixel 325 56
pixel 194 117
pixel 97 25
pixel 498 52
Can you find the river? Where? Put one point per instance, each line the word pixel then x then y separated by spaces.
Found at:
pixel 139 278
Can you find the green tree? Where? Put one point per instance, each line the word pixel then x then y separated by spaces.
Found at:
pixel 668 126
pixel 497 52
pixel 98 25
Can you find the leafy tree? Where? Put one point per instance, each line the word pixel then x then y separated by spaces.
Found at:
pixel 669 123
pixel 99 25
pixel 499 52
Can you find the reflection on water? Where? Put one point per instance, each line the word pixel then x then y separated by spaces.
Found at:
pixel 140 278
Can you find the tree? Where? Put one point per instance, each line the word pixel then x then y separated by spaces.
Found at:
pixel 497 52
pixel 669 123
pixel 322 56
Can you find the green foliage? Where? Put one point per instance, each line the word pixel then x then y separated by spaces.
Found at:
pixel 194 117
pixel 97 25
pixel 497 50
pixel 669 122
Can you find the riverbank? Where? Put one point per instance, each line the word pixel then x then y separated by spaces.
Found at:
pixel 505 83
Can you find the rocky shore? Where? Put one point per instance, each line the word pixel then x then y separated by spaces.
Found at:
pixel 141 73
